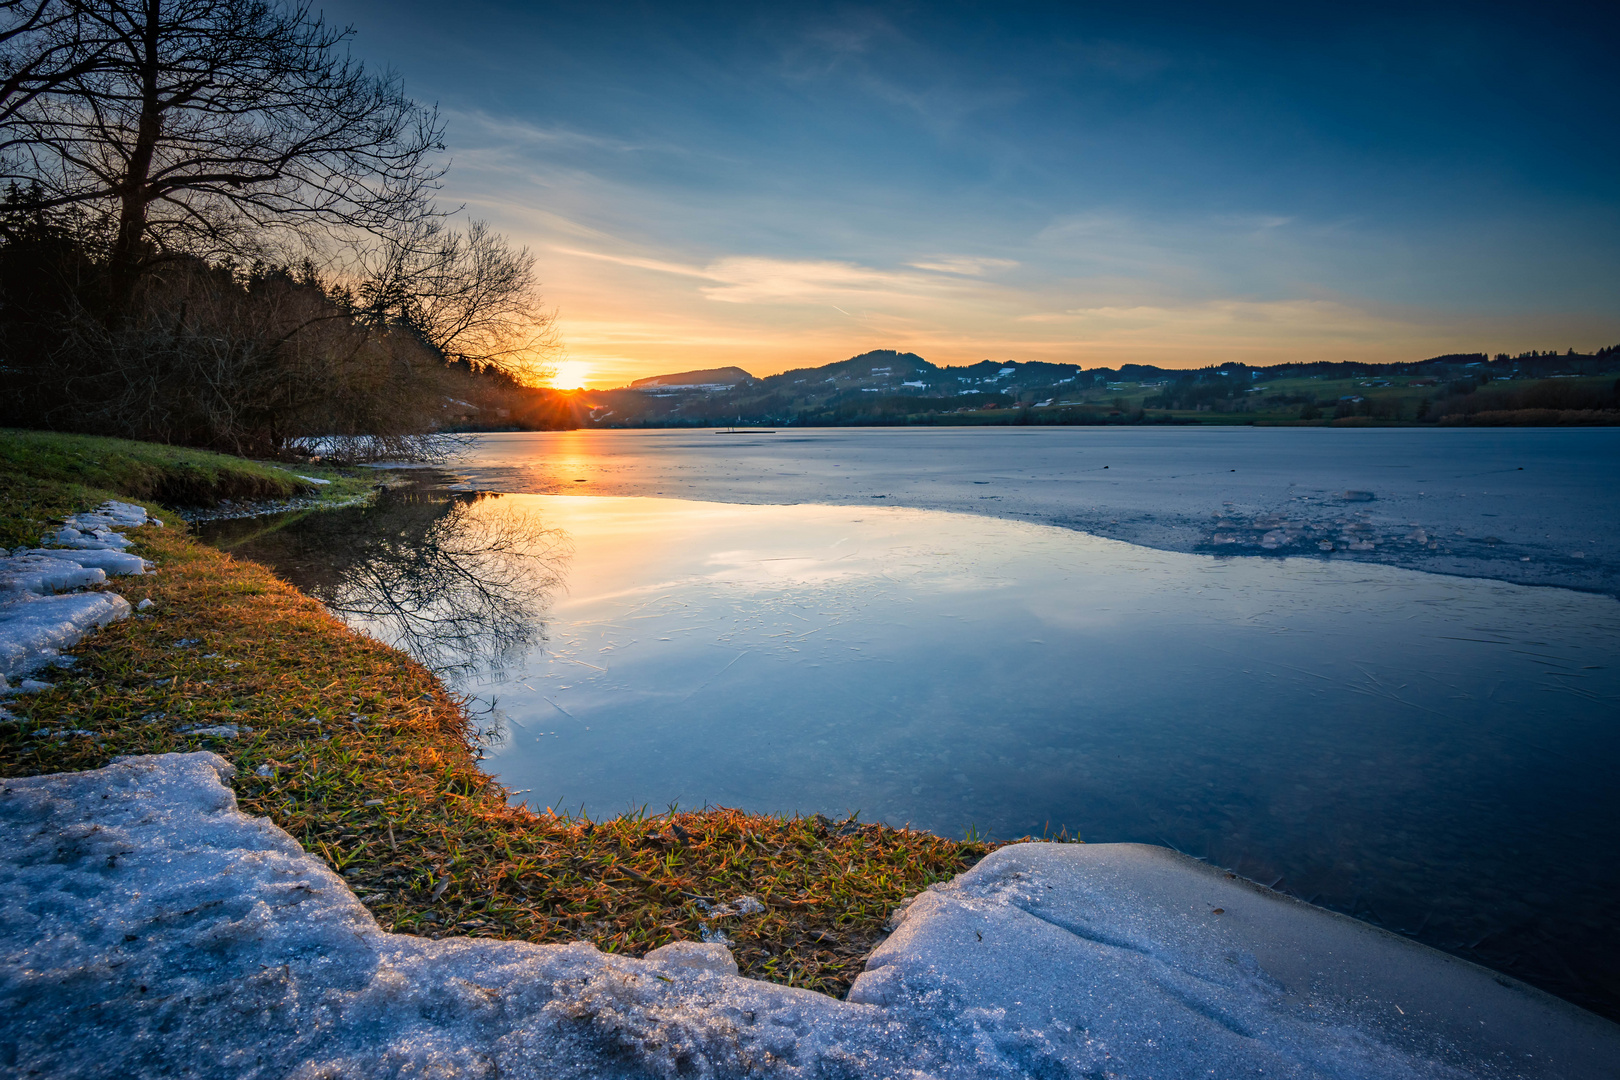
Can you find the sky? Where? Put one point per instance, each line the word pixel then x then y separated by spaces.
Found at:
pixel 785 185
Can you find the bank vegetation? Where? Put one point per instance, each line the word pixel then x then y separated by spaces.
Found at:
pixel 219 229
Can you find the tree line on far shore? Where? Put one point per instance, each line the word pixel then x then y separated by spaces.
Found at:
pixel 217 228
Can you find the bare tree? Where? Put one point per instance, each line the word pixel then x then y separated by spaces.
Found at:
pixel 469 294
pixel 154 149
pixel 209 127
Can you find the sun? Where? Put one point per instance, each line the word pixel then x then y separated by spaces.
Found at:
pixel 571 375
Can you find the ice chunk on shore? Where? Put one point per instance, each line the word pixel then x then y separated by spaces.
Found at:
pixel 219 731
pixel 112 514
pixel 44 574
pixel 1132 960
pixel 113 563
pixel 34 628
pixel 100 539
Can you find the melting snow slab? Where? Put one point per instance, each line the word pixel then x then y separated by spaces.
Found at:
pixel 151 928
pixel 97 539
pixel 44 573
pixel 107 561
pixel 1132 960
pixel 36 624
pixel 34 628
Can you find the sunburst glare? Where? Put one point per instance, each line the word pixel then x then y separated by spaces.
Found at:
pixel 571 375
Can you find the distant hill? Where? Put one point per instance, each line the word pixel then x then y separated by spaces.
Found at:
pixel 720 376
pixel 886 386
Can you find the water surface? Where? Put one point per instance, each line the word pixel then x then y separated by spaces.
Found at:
pixel 1532 505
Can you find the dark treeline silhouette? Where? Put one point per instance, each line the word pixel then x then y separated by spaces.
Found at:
pixel 1549 401
pixel 219 229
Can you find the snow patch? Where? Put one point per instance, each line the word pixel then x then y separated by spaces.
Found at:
pixel 113 563
pixel 69 536
pixel 33 629
pixel 39 616
pixel 43 575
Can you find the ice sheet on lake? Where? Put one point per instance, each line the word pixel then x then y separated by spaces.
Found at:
pixel 154 928
pixel 1514 504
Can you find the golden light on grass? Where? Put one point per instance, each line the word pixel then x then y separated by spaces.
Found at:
pixel 571 375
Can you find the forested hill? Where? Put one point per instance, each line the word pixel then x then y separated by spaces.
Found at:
pixel 889 387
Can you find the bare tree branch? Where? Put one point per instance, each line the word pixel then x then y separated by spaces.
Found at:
pixel 207 127
pixel 468 294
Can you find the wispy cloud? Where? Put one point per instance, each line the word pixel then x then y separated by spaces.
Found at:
pixel 965 265
pixel 662 266
pixel 517 135
pixel 752 279
pixel 895 67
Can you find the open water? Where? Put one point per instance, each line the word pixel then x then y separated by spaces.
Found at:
pixel 1433 753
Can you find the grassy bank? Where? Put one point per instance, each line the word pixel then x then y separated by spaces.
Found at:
pixel 45 474
pixel 363 756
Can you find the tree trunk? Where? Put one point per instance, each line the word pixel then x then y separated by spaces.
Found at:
pixel 124 266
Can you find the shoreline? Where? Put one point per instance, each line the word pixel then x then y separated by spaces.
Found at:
pixel 424 848
pixel 364 757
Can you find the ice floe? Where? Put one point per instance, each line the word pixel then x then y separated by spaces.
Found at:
pixel 153 928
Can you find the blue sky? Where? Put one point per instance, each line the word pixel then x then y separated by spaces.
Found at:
pixel 789 184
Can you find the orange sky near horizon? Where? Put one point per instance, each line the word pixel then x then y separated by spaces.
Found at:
pixel 624 318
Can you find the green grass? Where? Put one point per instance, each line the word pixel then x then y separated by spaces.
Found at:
pixel 45 475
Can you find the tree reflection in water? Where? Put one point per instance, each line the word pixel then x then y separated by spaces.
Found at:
pixel 453 578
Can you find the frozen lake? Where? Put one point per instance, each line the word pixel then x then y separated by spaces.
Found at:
pixel 1430 752
pixel 1533 505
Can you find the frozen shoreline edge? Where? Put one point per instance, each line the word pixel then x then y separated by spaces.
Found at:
pixel 147 906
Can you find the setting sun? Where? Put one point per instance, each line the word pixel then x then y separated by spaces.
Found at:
pixel 571 375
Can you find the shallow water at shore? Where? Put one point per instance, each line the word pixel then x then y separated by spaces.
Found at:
pixel 1431 753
